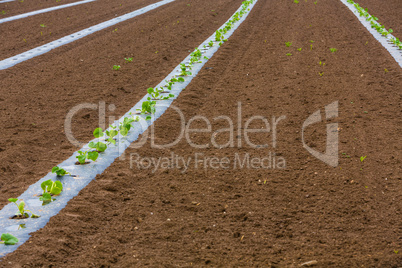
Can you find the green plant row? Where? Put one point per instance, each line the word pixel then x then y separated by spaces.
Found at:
pixel 375 24
pixel 51 189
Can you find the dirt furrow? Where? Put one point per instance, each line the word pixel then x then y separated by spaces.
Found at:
pixel 23 6
pixel 137 214
pixel 33 139
pixel 24 34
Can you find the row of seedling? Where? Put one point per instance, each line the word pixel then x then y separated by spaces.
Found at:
pixel 51 189
pixel 155 94
pixel 375 24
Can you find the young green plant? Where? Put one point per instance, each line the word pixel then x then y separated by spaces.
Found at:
pixel 184 71
pixel 156 94
pixel 126 125
pixel 99 146
pixel 8 239
pixel 60 172
pixel 147 107
pixel 50 188
pixel 90 155
pixel 22 212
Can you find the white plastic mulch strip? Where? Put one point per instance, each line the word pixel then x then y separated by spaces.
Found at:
pixel 5 1
pixel 16 17
pixel 86 173
pixel 384 40
pixel 9 62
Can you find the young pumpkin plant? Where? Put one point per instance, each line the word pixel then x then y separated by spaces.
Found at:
pixel 8 239
pixel 60 172
pixel 111 134
pixel 99 146
pixel 126 125
pixel 50 188
pixel 156 94
pixel 22 212
pixel 90 155
pixel 147 107
pixel 184 71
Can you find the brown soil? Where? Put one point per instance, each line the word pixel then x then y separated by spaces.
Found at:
pixel 20 7
pixel 348 216
pixel 60 23
pixel 32 140
pixel 18 217
pixel 388 13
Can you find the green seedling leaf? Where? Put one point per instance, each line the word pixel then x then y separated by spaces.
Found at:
pixel 52 187
pixel 46 185
pixel 128 60
pixel 92 155
pixel 116 67
pixel 147 107
pixel 111 140
pixel 362 158
pixel 60 172
pixel 46 197
pixel 81 158
pixel 98 133
pixel 333 50
pixel 13 200
pixel 101 147
pixel 21 208
pixel 123 131
pixel 288 44
pixel 112 133
pixel 150 90
pixel 8 239
pixel 59 185
pixel 56 190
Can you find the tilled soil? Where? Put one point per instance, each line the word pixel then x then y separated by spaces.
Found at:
pixel 32 139
pixel 24 6
pixel 25 34
pixel 347 216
